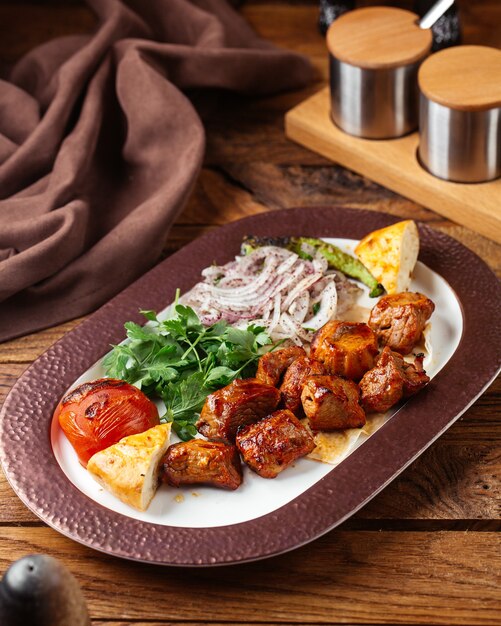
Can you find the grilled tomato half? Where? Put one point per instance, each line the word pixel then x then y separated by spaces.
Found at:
pixel 97 414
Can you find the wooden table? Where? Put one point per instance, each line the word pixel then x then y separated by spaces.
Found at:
pixel 427 549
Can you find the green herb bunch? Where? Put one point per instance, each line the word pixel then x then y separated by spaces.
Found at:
pixel 182 361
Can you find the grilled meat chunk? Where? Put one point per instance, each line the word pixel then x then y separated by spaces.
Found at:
pixel 399 320
pixel 391 380
pixel 202 462
pixel 272 365
pixel 332 403
pixel 241 402
pixel 273 443
pixel 345 348
pixel 293 381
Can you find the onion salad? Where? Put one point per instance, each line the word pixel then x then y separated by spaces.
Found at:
pixel 291 297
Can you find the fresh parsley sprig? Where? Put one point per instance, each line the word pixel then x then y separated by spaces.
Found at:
pixel 181 361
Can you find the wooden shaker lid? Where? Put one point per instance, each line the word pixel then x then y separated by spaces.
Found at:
pixel 378 37
pixel 465 78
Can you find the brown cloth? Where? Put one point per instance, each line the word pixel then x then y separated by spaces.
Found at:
pixel 99 147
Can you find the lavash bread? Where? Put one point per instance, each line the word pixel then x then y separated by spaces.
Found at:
pixel 129 469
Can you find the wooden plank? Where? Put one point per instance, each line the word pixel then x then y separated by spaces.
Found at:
pixel 447 482
pixel 218 199
pixel 290 26
pixel 28 348
pixel 394 164
pixel 27 25
pixel 362 577
pixel 245 186
pixel 296 185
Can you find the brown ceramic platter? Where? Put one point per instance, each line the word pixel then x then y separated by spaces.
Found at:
pixel 25 421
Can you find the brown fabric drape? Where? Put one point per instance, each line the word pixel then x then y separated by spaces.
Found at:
pixel 100 148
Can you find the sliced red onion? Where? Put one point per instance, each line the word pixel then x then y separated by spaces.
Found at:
pixel 274 288
pixel 327 310
pixel 304 284
pixel 298 310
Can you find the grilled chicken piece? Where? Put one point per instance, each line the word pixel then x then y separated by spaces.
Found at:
pixel 273 443
pixel 345 348
pixel 332 403
pixel 391 380
pixel 241 402
pixel 399 320
pixel 294 379
pixel 272 365
pixel 202 462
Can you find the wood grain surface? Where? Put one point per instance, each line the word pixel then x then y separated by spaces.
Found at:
pixel 427 549
pixel 378 38
pixel 464 78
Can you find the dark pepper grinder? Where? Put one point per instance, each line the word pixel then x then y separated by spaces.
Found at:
pixel 330 10
pixel 447 29
pixel 39 590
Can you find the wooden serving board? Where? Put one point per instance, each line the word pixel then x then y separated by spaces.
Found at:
pixel 394 164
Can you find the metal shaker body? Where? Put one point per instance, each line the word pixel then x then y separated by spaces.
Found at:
pixel 460 146
pixel 379 103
